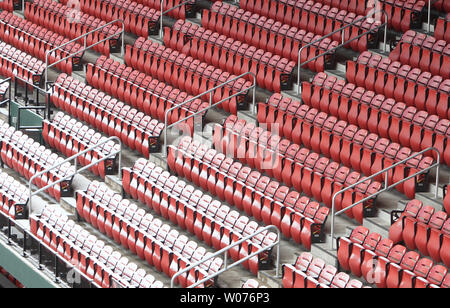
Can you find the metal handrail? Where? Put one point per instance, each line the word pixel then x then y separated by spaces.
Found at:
pixel 211 105
pixel 6 100
pixel 161 34
pixel 386 185
pixel 83 36
pixel 342 29
pixel 110 155
pixel 225 252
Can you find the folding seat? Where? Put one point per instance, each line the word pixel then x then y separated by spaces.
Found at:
pixel 357 237
pixel 445 257
pixel 410 225
pixel 447 198
pixel 436 57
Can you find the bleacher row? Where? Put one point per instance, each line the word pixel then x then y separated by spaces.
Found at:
pixel 387 264
pixel 283 171
pixel 54 17
pixel 216 224
pixel 87 253
pixel 71 137
pixel 28 157
pixel 37 41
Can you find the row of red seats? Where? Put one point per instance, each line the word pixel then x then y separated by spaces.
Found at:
pixel 395 121
pixel 71 137
pixel 143 92
pixel 382 262
pixel 272 71
pixel 182 11
pixel 27 157
pixel 87 253
pixel 157 243
pixel 37 41
pixel 310 273
pixel 183 73
pixel 54 16
pixel 402 83
pixel 297 217
pixel 401 13
pixel 9 276
pixel 425 52
pixel 343 142
pixel 297 167
pixel 13 197
pixel 422 227
pixel 136 130
pixel 193 76
pixel 10 5
pixel 15 63
pixel 442 28
pixel 442 5
pixel 273 37
pixel 214 223
pixel 99 6
pixel 138 19
pixel 317 18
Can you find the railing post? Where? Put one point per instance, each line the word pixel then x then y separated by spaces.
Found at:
pixel 84 37
pixel 387 186
pixel 225 250
pixel 340 30
pixel 429 16
pixel 74 157
pixel 193 114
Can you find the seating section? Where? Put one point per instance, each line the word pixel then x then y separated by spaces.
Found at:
pixel 15 63
pixel 297 217
pixel 273 72
pixel 147 94
pixel 187 75
pixel 11 278
pixel 136 130
pixel 13 197
pixel 55 17
pixel 297 167
pixel 27 157
pixel 89 254
pixel 386 264
pixel 423 228
pixel 139 19
pixel 344 143
pixel 311 273
pixel 379 115
pixel 425 52
pixel 273 37
pixel 412 86
pixel 141 233
pixel 442 28
pixel 38 41
pixel 70 137
pixel 210 221
pixel 316 17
